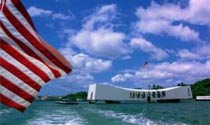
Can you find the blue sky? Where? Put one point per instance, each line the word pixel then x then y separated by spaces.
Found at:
pixel 108 41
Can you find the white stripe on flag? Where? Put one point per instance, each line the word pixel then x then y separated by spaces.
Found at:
pixel 13 96
pixel 16 81
pixel 18 35
pixel 20 17
pixel 21 67
pixel 45 69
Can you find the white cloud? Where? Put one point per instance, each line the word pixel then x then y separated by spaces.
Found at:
pixel 185 54
pixel 101 17
pixel 101 42
pixel 126 57
pixel 158 19
pixel 122 77
pixel 34 11
pixel 84 63
pixel 167 73
pixel 90 64
pixel 98 37
pixel 184 70
pixel 146 46
pixel 201 52
pixel 80 78
pixel 84 67
pixel 160 26
pixel 65 33
pixel 61 16
pixel 199 12
pixel 68 52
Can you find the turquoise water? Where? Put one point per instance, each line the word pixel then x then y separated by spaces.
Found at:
pixel 50 113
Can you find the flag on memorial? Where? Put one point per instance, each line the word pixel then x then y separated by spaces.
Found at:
pixel 26 61
pixel 145 64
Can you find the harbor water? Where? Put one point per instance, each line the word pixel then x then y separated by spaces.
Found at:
pixel 50 113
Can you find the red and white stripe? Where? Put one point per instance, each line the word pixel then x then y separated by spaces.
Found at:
pixel 26 61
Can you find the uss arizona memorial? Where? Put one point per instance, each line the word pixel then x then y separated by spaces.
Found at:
pixel 114 94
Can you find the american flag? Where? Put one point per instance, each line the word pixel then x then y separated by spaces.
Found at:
pixel 26 61
pixel 145 64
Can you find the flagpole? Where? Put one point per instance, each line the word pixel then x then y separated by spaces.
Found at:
pixel 145 65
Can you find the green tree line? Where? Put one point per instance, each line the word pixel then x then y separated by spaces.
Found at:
pixel 80 95
pixel 201 88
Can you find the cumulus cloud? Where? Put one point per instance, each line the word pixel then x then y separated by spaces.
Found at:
pixel 199 12
pixel 168 73
pixel 80 78
pixel 185 54
pixel 61 16
pixel 84 68
pixel 201 52
pixel 75 82
pixel 122 77
pixel 101 42
pixel 126 57
pixel 146 46
pixel 90 64
pixel 34 11
pixel 98 37
pixel 178 70
pixel 84 63
pixel 102 17
pixel 160 19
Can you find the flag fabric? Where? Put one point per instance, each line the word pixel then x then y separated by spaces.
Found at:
pixel 26 61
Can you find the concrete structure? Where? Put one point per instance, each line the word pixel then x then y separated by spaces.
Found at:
pixel 98 92
pixel 203 98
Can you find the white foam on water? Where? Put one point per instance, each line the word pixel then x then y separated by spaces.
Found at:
pixel 58 117
pixel 132 119
pixel 5 111
pixel 137 119
pixel 76 121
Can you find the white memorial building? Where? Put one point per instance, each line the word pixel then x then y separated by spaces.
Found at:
pixel 114 94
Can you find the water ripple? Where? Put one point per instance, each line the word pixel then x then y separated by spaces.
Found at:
pixel 58 117
pixel 5 111
pixel 136 119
